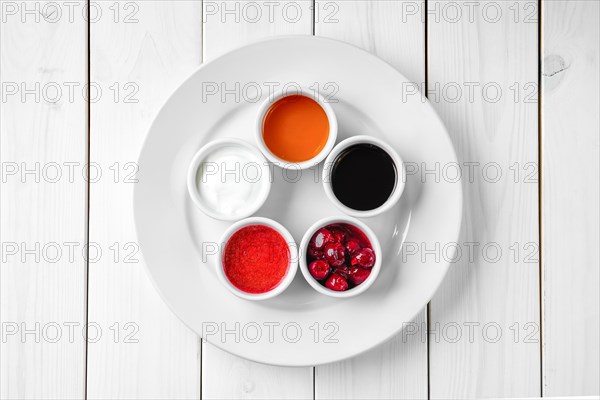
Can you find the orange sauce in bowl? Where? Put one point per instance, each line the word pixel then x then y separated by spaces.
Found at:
pixel 295 128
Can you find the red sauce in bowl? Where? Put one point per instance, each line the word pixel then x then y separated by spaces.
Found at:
pixel 256 258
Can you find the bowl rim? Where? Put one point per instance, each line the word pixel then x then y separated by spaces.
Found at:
pixel 400 176
pixel 374 243
pixel 331 117
pixel 292 268
pixel 266 178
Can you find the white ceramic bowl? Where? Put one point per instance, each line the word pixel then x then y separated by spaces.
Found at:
pixel 264 181
pixel 400 176
pixel 333 128
pixel 292 268
pixel 340 220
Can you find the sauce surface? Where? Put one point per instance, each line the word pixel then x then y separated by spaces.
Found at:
pixel 230 181
pixel 363 177
pixel 295 128
pixel 256 259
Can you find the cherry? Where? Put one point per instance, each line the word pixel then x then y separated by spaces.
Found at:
pixel 341 255
pixel 319 269
pixel 339 235
pixel 364 258
pixel 321 238
pixel 358 275
pixel 314 253
pixel 352 246
pixel 336 282
pixel 335 254
pixel 342 270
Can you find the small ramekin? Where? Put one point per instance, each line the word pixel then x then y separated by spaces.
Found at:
pixel 333 128
pixel 292 268
pixel 400 176
pixel 201 155
pixel 340 220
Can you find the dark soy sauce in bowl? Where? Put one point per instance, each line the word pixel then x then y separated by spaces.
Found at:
pixel 363 177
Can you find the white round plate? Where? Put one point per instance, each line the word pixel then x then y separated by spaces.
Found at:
pixel 300 327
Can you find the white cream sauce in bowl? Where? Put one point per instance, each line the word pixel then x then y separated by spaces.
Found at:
pixel 229 179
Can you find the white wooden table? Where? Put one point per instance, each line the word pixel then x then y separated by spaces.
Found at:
pixel 518 314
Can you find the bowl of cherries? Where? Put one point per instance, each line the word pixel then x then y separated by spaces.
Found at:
pixel 340 256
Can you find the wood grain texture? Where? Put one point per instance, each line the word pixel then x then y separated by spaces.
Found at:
pixel 394 370
pixel 232 24
pixel 43 130
pixel 484 339
pixel 570 201
pixel 142 53
pixel 226 376
pixel 394 31
pixel 228 25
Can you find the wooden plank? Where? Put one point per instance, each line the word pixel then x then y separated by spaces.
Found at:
pixel 232 24
pixel 485 322
pixel 228 25
pixel 394 31
pixel 43 134
pixel 570 203
pixel 140 52
pixel 225 376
